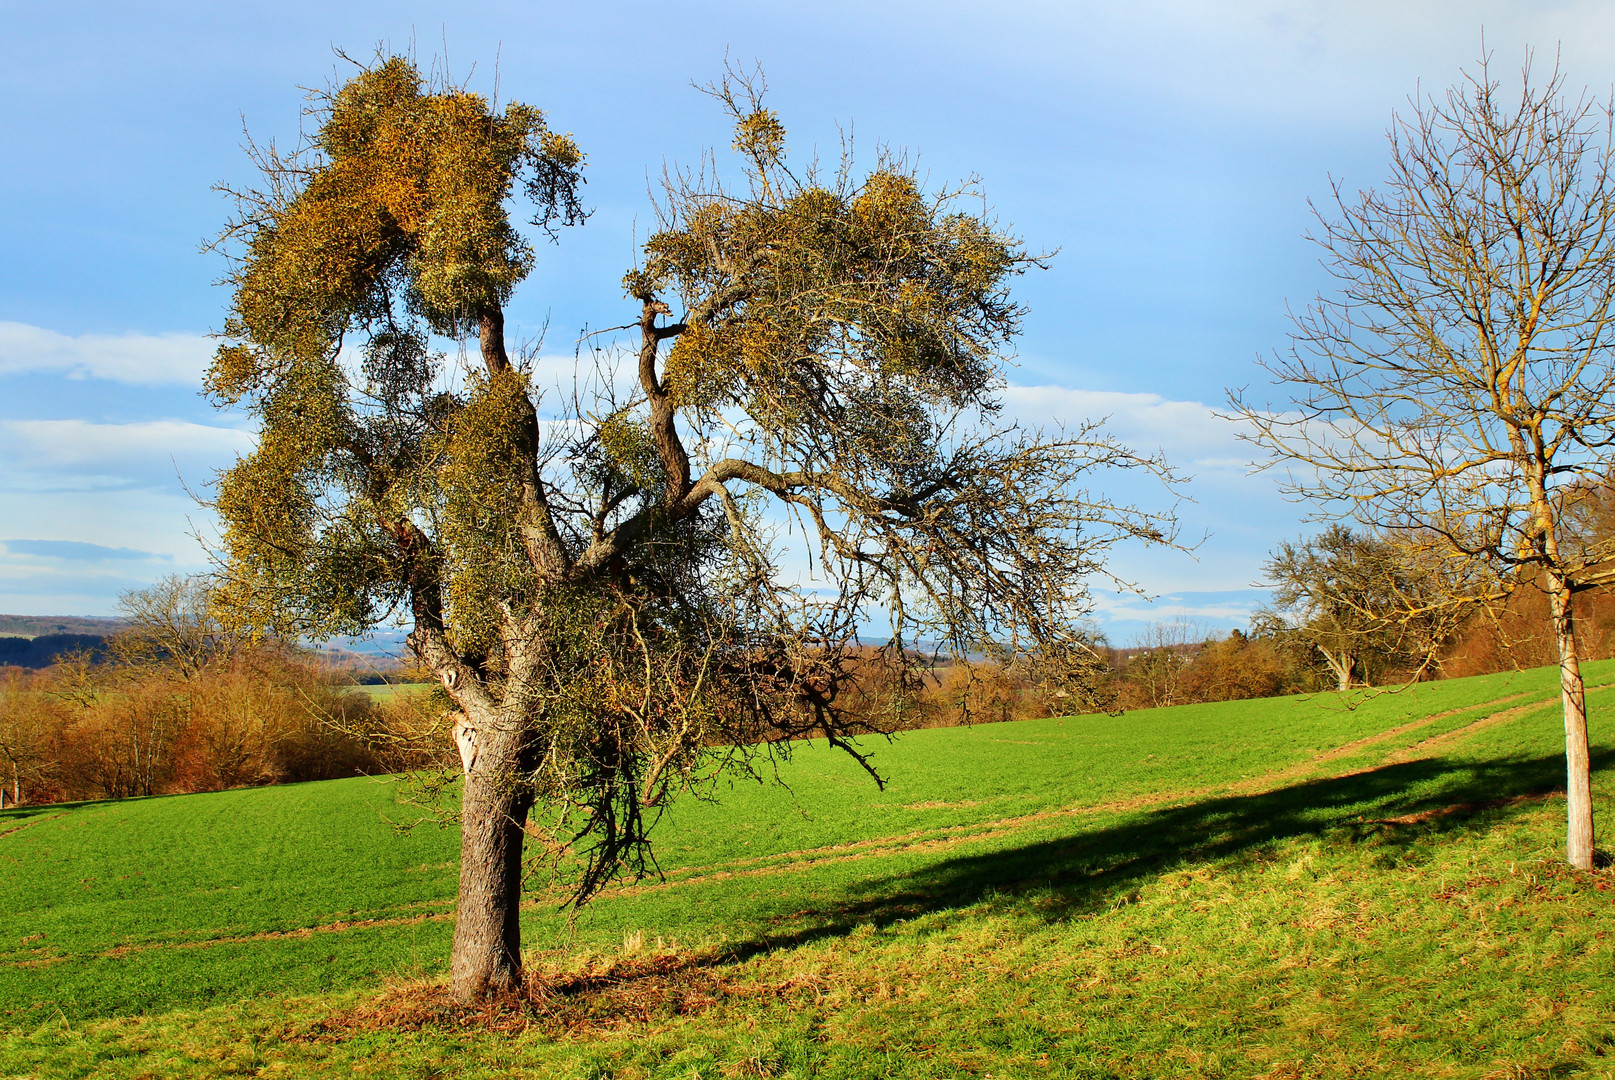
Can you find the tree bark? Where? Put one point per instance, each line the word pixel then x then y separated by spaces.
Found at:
pixel 1578 767
pixel 1342 664
pixel 494 804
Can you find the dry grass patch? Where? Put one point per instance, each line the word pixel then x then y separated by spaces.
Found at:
pixel 581 997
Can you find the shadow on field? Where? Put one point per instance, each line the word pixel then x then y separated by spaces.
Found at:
pixel 21 813
pixel 1393 804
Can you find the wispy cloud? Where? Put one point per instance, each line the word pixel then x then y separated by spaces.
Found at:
pixel 50 455
pixel 1125 616
pixel 1312 60
pixel 78 551
pixel 79 577
pixel 1195 437
pixel 146 359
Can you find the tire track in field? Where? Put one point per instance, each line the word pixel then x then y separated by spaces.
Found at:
pixel 1269 781
pixel 44 957
pixel 1417 750
pixel 118 952
pixel 916 842
pixel 1412 725
pixel 31 821
pixel 808 856
pixel 924 840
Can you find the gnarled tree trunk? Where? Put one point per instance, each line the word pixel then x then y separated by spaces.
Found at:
pixel 1578 768
pixel 1342 663
pixel 494 805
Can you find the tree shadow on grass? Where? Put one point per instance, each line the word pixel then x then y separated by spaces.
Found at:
pixel 13 814
pixel 1092 869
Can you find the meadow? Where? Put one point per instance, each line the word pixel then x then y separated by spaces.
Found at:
pixel 1281 888
pixel 389 691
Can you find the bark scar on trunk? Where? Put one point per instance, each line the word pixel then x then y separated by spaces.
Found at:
pixel 465 737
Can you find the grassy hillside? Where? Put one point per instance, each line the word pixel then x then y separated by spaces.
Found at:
pixel 1283 888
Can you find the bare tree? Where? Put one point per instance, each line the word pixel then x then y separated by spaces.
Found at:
pixel 172 624
pixel 1164 652
pixel 24 736
pixel 1459 388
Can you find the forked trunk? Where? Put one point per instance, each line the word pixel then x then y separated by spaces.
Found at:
pixel 1342 664
pixel 494 805
pixel 1578 778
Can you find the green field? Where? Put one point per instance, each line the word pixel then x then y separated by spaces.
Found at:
pixel 1280 888
pixel 387 691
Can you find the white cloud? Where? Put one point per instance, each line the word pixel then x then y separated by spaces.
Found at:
pixel 1224 607
pixel 1194 437
pixel 67 444
pixel 1299 60
pixel 1232 516
pixel 106 505
pixel 75 551
pixel 58 456
pixel 116 485
pixel 158 522
pixel 144 359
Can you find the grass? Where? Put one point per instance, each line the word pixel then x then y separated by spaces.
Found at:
pixel 383 692
pixel 1279 888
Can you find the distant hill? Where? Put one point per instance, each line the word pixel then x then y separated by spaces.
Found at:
pixel 32 626
pixel 42 651
pixel 365 667
pixel 33 641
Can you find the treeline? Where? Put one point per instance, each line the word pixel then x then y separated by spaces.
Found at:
pixel 1348 609
pixel 42 651
pixel 1355 608
pixel 1176 664
pixel 174 703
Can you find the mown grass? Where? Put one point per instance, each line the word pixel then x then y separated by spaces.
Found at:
pixel 385 692
pixel 1214 890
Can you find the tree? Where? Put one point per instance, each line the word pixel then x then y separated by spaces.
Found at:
pixel 600 588
pixel 172 624
pixel 24 736
pixel 1164 651
pixel 131 714
pixel 1459 388
pixel 1235 668
pixel 1367 605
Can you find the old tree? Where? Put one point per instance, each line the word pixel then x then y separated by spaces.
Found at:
pixel 599 584
pixel 1459 391
pixel 1366 605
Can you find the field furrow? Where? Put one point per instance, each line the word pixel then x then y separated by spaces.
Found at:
pixel 142 905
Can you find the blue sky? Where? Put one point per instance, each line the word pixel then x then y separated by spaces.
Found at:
pixel 1168 150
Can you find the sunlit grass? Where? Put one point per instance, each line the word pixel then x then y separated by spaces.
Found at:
pixel 1210 890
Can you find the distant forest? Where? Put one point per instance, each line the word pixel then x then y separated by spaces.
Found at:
pixel 41 651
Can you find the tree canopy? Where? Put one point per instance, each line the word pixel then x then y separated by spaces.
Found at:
pixel 1366 604
pixel 601 579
